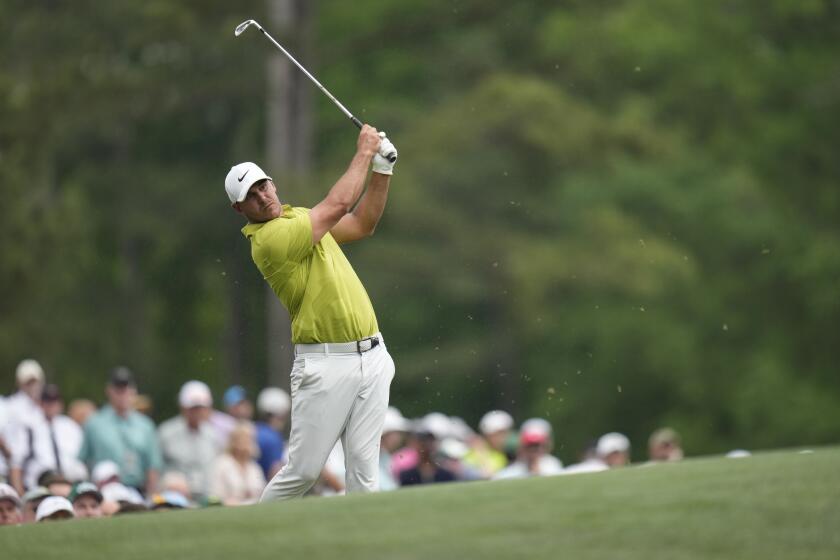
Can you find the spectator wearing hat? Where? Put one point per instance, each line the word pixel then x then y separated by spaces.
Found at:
pixel 238 408
pixel 237 479
pixel 120 434
pixel 31 500
pixel 87 500
pixel 50 444
pixel 614 449
pixel 273 406
pixel 24 406
pixel 188 442
pixel 532 457
pixel 20 412
pixel 56 483
pixel 9 505
pixel 393 433
pixel 54 508
pixel 429 432
pixel 487 453
pixel 106 477
pixel 589 461
pixel 665 445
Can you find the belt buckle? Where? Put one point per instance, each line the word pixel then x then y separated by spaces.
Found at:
pixel 372 343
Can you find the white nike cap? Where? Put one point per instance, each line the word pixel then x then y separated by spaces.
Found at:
pixel 240 178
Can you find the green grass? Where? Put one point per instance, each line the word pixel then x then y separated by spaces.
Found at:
pixel 782 505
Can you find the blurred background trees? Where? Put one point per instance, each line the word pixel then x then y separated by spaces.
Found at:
pixel 612 214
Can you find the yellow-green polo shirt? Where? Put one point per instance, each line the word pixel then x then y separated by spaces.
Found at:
pixel 325 298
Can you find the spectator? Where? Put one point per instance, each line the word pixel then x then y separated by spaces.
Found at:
pixel 589 461
pixel 614 449
pixel 188 442
pixel 393 434
pixel 169 500
pixel 120 434
pixel 427 470
pixel 54 508
pixel 435 423
pixel 273 406
pixel 55 483
pixel 532 458
pixel 24 406
pixel 79 410
pixel 665 445
pixel 9 506
pixel 50 444
pixel 237 409
pixel 174 481
pixel 87 500
pixel 19 413
pixel 487 455
pixel 31 500
pixel 237 479
pixel 5 452
pixel 106 477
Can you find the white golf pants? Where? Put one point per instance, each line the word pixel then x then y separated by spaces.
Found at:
pixel 335 396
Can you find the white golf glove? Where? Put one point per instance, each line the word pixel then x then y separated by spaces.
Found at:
pixel 381 161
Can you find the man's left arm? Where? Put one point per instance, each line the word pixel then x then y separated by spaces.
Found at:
pixel 362 221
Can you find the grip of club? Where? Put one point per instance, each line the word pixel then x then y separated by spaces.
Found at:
pixel 357 122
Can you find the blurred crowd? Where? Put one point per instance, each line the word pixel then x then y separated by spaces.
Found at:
pixel 79 460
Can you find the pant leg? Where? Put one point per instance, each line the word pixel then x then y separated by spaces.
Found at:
pixel 364 427
pixel 324 389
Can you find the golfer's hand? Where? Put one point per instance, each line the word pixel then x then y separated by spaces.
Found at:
pixel 386 158
pixel 369 141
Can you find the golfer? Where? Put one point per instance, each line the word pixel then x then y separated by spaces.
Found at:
pixel 342 372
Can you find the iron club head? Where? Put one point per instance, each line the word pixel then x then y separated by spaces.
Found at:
pixel 243 26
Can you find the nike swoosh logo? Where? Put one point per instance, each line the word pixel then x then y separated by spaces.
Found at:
pixel 243 175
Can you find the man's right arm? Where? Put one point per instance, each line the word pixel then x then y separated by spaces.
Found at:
pixel 347 190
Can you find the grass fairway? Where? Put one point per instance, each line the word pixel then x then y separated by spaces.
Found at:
pixel 782 505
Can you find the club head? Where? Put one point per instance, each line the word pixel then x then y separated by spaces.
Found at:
pixel 243 26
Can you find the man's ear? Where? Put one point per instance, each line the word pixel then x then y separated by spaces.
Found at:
pixel 236 207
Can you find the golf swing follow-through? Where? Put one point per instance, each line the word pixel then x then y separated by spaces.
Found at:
pixel 391 155
pixel 342 372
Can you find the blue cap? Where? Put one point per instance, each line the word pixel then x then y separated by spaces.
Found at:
pixel 234 395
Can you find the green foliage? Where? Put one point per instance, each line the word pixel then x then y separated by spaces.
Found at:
pixel 614 214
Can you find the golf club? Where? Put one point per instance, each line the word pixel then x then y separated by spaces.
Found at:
pixel 248 23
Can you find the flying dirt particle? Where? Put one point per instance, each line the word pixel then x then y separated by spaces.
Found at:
pixel 725 327
pixel 428 379
pixel 618 387
pixel 765 251
pixel 551 390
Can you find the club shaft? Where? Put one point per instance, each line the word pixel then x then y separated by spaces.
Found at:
pixel 338 104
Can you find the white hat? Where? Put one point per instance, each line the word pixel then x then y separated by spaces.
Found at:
pixel 435 423
pixel 52 505
pixel 29 370
pixel 454 449
pixel 536 426
pixel 9 493
pixel 611 443
pixel 274 400
pixel 495 421
pixel 460 429
pixel 240 178
pixel 118 492
pixel 395 421
pixel 195 393
pixel 105 470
